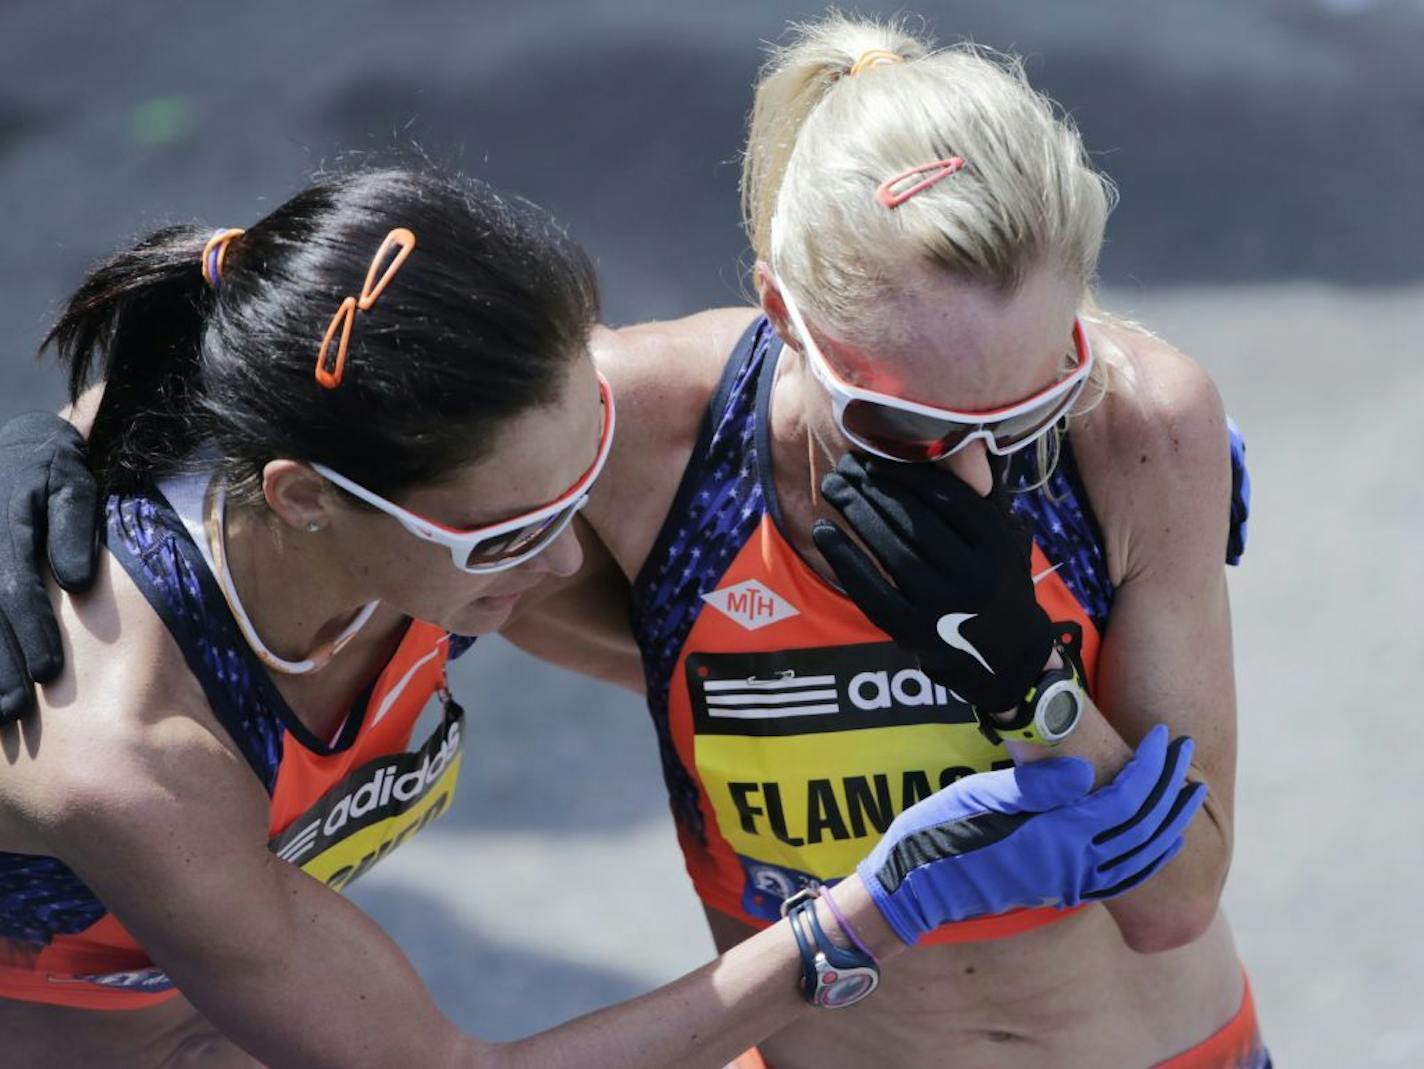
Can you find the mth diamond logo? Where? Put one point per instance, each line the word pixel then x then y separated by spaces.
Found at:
pixel 750 604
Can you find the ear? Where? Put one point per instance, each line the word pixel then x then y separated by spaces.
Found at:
pixel 296 493
pixel 772 304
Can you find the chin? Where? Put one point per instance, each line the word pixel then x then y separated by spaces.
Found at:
pixel 478 619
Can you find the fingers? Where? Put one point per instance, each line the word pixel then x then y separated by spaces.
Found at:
pixel 1187 803
pixel 73 523
pixel 1176 759
pixel 973 517
pixel 871 591
pixel 23 602
pixel 1141 876
pixel 1117 803
pixel 897 526
pixel 33 631
pixel 886 535
pixel 17 693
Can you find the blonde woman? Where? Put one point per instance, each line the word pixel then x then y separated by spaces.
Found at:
pixel 926 231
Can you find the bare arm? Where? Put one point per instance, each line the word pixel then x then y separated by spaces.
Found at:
pixel 582 623
pixel 299 977
pixel 663 375
pixel 1166 657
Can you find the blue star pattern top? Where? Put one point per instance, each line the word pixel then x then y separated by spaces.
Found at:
pixel 718 505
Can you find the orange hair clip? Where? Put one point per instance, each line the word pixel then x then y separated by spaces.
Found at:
pixel 214 252
pixel 873 57
pixel 403 241
pixel 937 171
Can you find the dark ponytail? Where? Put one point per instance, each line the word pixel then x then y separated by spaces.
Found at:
pixel 142 310
pixel 481 323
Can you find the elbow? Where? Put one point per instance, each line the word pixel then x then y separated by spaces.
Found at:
pixel 1176 924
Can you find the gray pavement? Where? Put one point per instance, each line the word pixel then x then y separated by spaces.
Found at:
pixel 1269 156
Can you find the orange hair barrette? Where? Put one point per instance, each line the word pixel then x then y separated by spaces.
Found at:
pixel 874 57
pixel 892 197
pixel 403 241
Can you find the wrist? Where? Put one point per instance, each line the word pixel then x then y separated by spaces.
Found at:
pixel 1007 716
pixel 854 901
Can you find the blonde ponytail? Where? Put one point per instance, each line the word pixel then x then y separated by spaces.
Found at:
pixel 820 143
pixel 794 81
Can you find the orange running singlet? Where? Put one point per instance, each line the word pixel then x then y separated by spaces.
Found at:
pixel 792 729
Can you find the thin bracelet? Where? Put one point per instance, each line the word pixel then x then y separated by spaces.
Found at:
pixel 823 893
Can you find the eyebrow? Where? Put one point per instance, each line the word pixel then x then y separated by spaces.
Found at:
pixel 523 509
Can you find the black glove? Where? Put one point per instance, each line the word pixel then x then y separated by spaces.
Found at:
pixel 46 491
pixel 962 598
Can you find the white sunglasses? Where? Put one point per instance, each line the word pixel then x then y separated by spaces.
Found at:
pixel 912 433
pixel 498 546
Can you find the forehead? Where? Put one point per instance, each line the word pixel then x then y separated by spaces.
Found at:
pixel 536 456
pixel 947 342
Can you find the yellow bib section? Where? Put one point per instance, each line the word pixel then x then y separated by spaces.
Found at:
pixel 807 755
pixel 813 802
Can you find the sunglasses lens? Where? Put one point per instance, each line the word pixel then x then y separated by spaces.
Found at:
pixel 524 542
pixel 1019 431
pixel 903 435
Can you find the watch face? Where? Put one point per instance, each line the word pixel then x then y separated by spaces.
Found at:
pixel 1060 711
pixel 845 987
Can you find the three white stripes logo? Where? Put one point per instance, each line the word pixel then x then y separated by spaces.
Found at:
pixel 771 699
pixel 298 847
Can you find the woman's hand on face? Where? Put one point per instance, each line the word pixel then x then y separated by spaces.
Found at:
pixel 962 596
pixel 1033 836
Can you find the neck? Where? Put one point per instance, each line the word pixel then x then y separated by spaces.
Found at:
pixel 803 449
pixel 296 596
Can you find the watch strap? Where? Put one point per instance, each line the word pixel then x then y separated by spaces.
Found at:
pixel 814 944
pixel 794 917
pixel 1021 727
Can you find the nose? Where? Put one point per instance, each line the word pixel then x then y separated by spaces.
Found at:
pixel 971 464
pixel 563 557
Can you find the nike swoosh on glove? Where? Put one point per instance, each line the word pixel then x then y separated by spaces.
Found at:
pixel 962 597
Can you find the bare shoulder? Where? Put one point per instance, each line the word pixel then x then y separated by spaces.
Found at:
pixel 662 371
pixel 1155 453
pixel 663 376
pixel 122 738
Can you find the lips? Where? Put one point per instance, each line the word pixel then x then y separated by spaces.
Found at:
pixel 503 601
pixel 498 601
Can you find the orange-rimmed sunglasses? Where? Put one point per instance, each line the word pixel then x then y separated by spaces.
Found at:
pixel 914 433
pixel 497 546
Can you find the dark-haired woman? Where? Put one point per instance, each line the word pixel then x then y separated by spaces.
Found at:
pixel 328 444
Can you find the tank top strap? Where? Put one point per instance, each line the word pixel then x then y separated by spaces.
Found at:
pixel 718 504
pixel 147 537
pixel 1059 515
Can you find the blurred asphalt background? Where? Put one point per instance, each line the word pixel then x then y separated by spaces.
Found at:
pixel 1270 155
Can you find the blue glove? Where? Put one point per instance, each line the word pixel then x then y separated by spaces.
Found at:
pixel 1033 836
